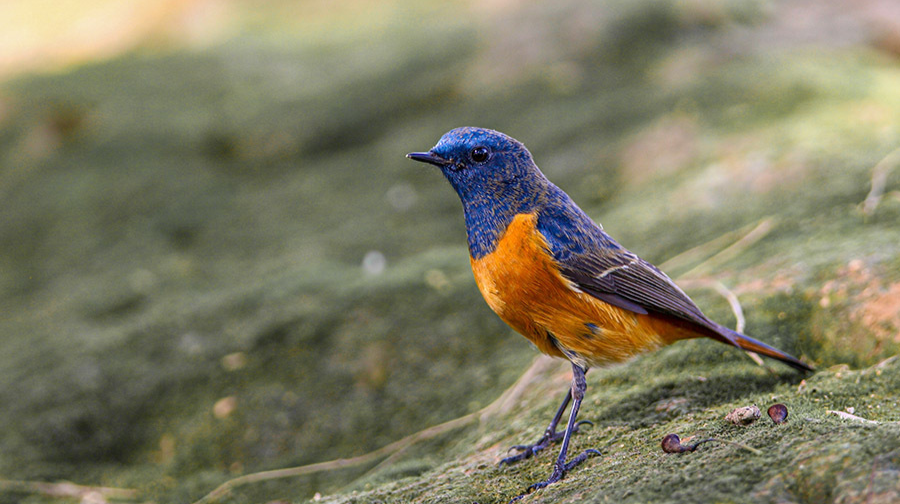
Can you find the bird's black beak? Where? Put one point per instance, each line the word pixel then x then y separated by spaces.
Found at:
pixel 428 157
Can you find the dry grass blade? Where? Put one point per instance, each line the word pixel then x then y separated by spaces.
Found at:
pixel 879 181
pixel 720 249
pixel 850 416
pixel 67 490
pixel 503 403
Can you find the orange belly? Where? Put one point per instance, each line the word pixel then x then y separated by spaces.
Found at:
pixel 522 284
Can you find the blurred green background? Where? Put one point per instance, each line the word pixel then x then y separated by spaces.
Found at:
pixel 215 260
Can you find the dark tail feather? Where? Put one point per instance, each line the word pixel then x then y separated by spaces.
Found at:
pixel 752 345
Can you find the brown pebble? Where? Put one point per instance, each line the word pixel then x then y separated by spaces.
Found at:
pixel 743 416
pixel 778 413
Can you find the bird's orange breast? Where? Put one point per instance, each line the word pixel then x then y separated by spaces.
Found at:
pixel 521 282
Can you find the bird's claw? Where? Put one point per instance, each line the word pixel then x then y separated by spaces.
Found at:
pixel 520 447
pixel 559 471
pixel 528 451
pixel 581 458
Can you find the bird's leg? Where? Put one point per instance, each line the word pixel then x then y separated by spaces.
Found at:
pixel 560 467
pixel 550 435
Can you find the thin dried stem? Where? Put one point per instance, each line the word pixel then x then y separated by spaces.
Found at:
pixel 720 249
pixel 503 403
pixel 67 490
pixel 733 302
pixel 850 416
pixel 760 231
pixel 879 181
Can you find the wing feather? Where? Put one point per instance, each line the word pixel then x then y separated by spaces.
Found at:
pixel 599 266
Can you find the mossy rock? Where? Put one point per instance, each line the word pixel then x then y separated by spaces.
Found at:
pixel 184 241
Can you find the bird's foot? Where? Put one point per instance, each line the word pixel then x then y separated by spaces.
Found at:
pixel 528 451
pixel 559 471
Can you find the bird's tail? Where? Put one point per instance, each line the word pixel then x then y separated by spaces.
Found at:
pixel 751 345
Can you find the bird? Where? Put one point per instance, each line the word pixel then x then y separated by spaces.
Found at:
pixel 556 277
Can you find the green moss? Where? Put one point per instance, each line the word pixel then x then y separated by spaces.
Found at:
pixel 182 229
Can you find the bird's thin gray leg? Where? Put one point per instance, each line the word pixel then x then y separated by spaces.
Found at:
pixel 561 466
pixel 550 435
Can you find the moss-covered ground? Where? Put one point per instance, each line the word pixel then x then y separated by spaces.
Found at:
pixel 217 262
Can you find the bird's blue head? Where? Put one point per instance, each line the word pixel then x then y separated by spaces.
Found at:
pixel 494 176
pixel 481 162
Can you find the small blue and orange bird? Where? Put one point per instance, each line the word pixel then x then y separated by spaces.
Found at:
pixel 552 274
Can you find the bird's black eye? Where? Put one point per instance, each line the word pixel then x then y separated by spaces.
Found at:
pixel 480 154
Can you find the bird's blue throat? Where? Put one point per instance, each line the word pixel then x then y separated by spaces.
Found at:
pixel 488 213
